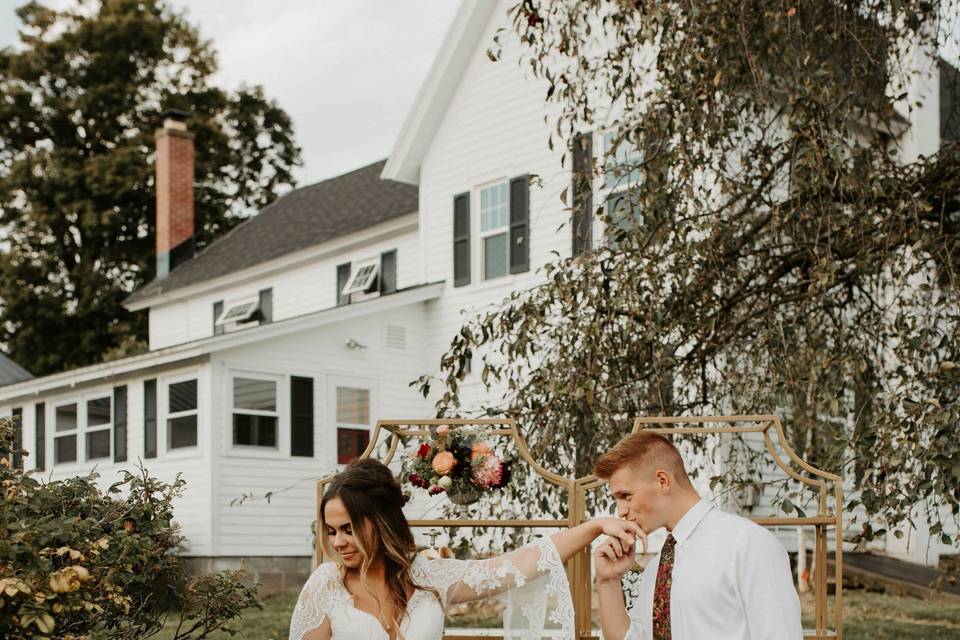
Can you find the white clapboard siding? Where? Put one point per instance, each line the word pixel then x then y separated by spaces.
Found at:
pixel 282 527
pixel 300 290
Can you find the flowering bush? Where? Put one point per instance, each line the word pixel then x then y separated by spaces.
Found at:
pixel 77 562
pixel 459 464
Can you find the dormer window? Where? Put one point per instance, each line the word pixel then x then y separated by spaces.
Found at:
pixel 242 311
pixel 364 279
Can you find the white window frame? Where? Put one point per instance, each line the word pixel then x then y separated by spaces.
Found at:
pixel 490 233
pixel 350 382
pixel 252 306
pixel 623 186
pixel 360 282
pixel 164 415
pixel 280 385
pixel 87 429
pixel 77 432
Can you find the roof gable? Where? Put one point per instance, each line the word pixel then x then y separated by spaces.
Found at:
pixel 11 372
pixel 303 218
pixel 437 91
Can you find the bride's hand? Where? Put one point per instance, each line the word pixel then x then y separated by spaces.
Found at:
pixel 625 531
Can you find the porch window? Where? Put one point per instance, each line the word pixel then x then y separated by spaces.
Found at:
pixel 99 426
pixel 353 423
pixel 65 437
pixel 364 279
pixel 255 414
pixel 182 414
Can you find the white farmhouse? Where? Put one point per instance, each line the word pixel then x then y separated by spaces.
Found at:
pixel 274 351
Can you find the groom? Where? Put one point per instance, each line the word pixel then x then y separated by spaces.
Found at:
pixel 717 576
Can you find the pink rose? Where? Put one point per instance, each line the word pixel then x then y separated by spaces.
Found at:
pixel 443 463
pixel 490 473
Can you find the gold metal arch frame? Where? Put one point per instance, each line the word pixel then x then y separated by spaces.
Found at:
pixel 579 566
pixel 819 481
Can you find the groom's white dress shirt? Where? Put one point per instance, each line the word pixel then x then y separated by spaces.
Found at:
pixel 731 581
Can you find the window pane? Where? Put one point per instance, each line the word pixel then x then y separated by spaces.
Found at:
pixel 258 431
pixel 621 169
pixel 350 444
pixel 98 412
pixel 495 256
pixel 98 444
pixel 353 406
pixel 494 207
pixel 182 431
pixel 67 418
pixel 65 449
pixel 258 395
pixel 183 396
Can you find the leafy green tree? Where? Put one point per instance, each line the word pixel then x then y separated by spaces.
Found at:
pixel 80 98
pixel 79 562
pixel 778 249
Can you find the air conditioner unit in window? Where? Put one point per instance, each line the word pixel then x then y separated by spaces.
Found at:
pixel 242 312
pixel 364 283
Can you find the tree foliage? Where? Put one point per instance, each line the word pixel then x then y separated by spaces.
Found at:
pixel 80 98
pixel 78 562
pixel 778 245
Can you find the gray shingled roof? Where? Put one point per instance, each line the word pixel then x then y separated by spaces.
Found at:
pixel 11 372
pixel 302 218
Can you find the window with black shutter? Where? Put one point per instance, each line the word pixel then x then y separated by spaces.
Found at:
pixel 17 437
pixel 461 240
pixel 266 306
pixel 40 435
pixel 519 226
pixel 301 416
pixel 120 424
pixel 388 272
pixel 343 277
pixel 217 312
pixel 149 418
pixel 582 188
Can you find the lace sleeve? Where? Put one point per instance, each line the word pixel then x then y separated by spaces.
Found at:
pixel 532 581
pixel 316 601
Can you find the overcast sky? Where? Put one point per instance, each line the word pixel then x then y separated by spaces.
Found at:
pixel 346 71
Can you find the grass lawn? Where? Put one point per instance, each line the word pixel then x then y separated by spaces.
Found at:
pixel 867 616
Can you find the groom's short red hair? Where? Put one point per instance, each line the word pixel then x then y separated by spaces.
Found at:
pixel 642 449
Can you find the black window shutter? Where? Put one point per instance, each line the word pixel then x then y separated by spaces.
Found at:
pixel 388 272
pixel 40 433
pixel 266 305
pixel 343 276
pixel 149 418
pixel 301 416
pixel 17 437
pixel 217 311
pixel 120 424
pixel 519 217
pixel 461 240
pixel 582 188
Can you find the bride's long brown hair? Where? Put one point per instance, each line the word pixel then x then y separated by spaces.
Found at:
pixel 369 491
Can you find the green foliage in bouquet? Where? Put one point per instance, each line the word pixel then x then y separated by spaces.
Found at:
pixel 78 562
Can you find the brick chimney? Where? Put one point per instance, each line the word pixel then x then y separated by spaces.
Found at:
pixel 175 226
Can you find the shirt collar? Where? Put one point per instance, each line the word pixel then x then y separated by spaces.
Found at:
pixel 690 520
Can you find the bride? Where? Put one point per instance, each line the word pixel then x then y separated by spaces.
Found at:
pixel 379 588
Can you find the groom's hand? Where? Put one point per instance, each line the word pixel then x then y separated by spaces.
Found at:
pixel 613 559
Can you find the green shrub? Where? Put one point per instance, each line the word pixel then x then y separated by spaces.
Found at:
pixel 78 562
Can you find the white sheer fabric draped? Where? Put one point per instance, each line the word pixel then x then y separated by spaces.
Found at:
pixel 531 580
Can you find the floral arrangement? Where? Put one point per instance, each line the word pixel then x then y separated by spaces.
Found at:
pixel 458 464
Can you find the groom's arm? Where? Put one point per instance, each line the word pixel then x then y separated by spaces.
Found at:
pixel 770 600
pixel 613 560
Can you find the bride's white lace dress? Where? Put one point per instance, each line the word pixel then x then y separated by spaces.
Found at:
pixel 532 579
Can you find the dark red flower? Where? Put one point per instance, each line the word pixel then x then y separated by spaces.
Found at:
pixel 504 475
pixel 435 489
pixel 423 451
pixel 417 481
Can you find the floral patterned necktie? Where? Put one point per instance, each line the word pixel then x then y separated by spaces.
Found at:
pixel 661 592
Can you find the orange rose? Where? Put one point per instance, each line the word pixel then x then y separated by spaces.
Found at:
pixel 480 449
pixel 443 463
